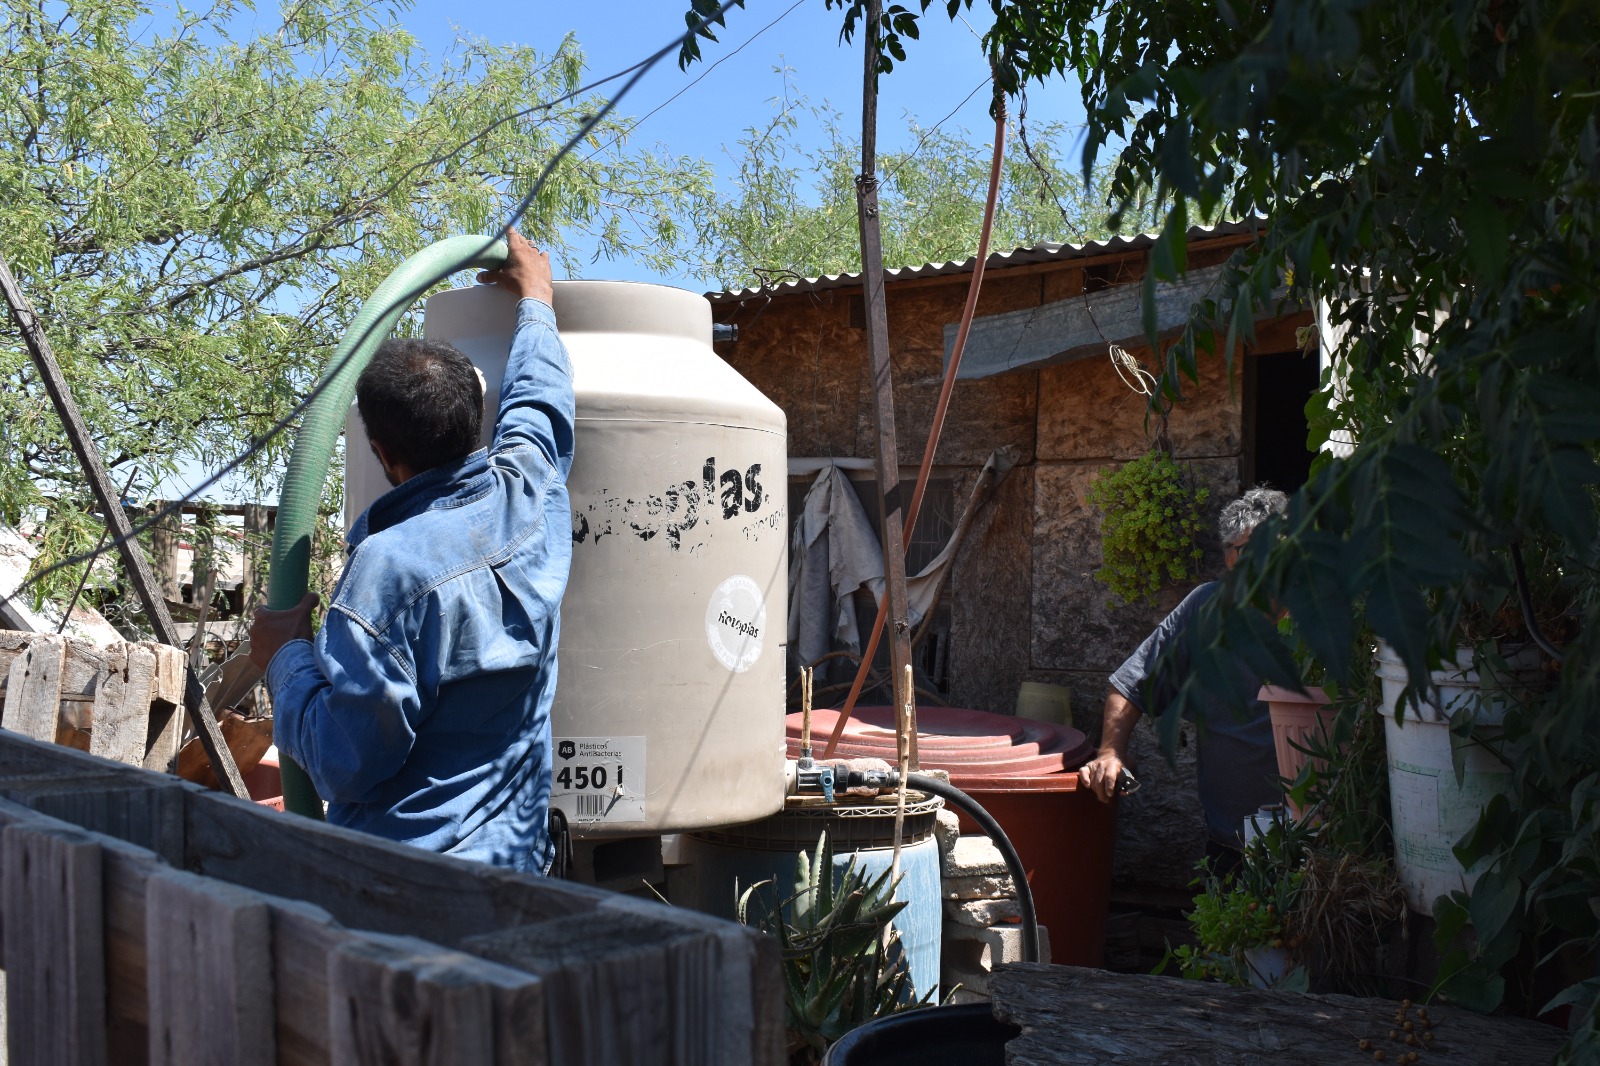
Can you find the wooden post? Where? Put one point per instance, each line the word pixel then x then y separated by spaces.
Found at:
pixel 891 503
pixel 204 583
pixel 164 536
pixel 54 947
pixel 257 549
pixel 137 566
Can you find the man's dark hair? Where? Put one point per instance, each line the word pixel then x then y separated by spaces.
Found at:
pixel 421 400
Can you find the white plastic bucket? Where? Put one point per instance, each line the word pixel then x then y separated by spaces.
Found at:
pixel 1431 810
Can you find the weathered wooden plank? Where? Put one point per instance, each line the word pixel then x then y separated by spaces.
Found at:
pixel 121 716
pixel 33 688
pixel 247 738
pixel 12 814
pixel 234 681
pixel 125 870
pixel 84 666
pixel 166 705
pixel 405 1002
pixel 363 881
pixel 303 939
pixel 22 756
pixel 209 953
pixel 640 983
pixel 12 644
pixel 145 813
pixel 1071 1016
pixel 54 947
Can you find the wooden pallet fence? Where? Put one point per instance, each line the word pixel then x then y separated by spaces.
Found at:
pixel 121 701
pixel 205 929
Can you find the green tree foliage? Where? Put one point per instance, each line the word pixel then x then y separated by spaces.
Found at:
pixel 1431 171
pixel 793 210
pixel 196 201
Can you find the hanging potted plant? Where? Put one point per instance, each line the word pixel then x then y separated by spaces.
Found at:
pixel 1151 523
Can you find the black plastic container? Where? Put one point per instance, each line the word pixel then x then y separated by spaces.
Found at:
pixel 967 1035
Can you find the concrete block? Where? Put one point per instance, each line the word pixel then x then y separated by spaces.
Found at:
pixel 988 948
pixel 946 830
pixel 974 856
pixel 978 888
pixel 981 913
pixel 970 979
pixel 967 995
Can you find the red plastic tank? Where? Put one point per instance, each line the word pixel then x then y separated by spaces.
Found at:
pixel 1023 772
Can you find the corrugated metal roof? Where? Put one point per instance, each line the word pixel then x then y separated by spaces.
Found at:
pixel 1039 253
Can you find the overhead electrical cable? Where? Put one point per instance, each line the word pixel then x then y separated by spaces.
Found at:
pixel 748 41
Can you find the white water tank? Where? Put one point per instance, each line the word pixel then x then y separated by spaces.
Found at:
pixel 669 709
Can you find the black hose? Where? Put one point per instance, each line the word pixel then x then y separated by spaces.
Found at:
pixel 1019 877
pixel 1526 600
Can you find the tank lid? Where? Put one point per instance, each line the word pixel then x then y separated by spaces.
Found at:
pixel 581 307
pixel 970 744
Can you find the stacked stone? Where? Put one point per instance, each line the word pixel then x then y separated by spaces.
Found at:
pixel 982 926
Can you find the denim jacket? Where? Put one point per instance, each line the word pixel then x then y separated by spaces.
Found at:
pixel 422 710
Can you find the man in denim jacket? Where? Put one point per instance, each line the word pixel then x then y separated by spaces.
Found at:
pixel 421 708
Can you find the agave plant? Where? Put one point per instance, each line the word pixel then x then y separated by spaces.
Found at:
pixel 842 961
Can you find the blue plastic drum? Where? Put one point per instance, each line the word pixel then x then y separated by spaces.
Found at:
pixel 725 862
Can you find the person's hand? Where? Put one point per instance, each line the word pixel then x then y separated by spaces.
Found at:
pixel 1100 774
pixel 526 273
pixel 273 629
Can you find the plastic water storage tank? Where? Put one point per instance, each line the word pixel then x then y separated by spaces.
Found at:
pixel 669 707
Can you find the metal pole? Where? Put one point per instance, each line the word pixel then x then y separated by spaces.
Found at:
pixel 888 456
pixel 138 568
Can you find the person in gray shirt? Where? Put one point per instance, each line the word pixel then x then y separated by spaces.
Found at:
pixel 1237 763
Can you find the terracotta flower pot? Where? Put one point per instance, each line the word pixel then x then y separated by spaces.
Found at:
pixel 1296 719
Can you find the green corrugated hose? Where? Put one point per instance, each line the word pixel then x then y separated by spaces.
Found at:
pixel 319 432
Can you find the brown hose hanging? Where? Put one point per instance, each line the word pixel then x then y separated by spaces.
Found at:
pixel 938 414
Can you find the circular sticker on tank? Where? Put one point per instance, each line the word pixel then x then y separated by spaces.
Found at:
pixel 736 623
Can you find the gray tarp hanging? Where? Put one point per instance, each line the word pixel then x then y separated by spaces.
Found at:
pixel 833 553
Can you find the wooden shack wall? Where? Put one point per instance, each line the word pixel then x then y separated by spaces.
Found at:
pixel 1025 604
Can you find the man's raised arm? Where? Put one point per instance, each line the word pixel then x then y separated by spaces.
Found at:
pixel 536 404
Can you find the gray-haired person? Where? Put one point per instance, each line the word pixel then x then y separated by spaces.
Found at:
pixel 1237 765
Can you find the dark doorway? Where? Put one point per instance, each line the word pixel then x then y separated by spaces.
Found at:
pixel 1277 386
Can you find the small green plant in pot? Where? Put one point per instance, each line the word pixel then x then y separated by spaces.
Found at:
pixel 1151 522
pixel 1244 923
pixel 842 966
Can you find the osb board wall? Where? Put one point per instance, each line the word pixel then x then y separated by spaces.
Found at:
pixel 1024 602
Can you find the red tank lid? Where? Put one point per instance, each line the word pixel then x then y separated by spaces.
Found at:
pixel 970 744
